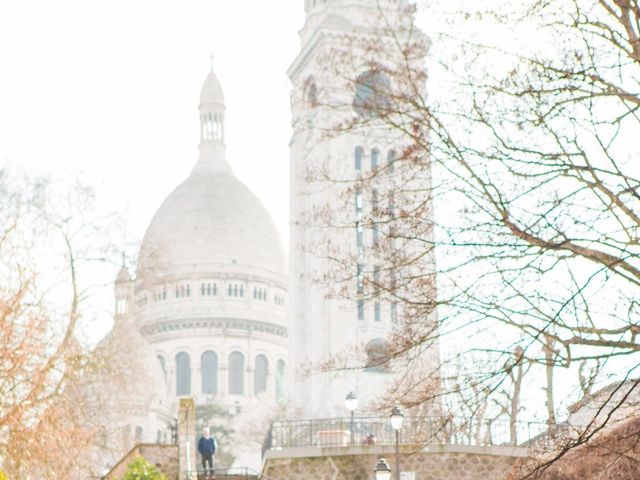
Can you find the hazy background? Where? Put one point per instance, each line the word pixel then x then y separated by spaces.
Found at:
pixel 108 92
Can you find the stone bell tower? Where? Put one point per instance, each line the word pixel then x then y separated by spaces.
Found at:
pixel 343 321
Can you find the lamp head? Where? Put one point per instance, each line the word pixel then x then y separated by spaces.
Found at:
pixel 351 402
pixel 397 418
pixel 383 471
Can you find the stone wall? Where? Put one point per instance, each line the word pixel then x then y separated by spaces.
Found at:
pixel 358 462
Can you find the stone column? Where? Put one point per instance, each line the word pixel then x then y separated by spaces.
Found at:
pixel 186 438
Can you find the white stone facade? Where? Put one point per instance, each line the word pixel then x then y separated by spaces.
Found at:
pixel 209 296
pixel 333 324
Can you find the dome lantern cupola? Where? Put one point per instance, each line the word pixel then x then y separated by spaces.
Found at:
pixel 212 148
pixel 211 110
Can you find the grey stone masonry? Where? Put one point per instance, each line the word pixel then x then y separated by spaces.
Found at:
pixel 437 462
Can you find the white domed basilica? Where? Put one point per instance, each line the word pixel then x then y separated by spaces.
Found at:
pixel 210 289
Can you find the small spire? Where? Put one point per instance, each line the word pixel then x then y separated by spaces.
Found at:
pixel 211 57
pixel 123 259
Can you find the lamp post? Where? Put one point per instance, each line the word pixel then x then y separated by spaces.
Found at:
pixel 397 419
pixel 351 402
pixel 382 470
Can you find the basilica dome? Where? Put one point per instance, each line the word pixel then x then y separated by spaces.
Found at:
pixel 212 221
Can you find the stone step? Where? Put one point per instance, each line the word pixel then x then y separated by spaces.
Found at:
pixel 230 477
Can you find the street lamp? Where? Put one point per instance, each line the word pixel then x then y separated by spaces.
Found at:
pixel 351 402
pixel 397 419
pixel 383 470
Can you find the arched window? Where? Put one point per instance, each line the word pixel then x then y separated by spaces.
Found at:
pixel 163 366
pixel 312 94
pixel 183 374
pixel 138 437
pixel 358 159
pixel 372 94
pixel 236 373
pixel 391 160
pixel 281 373
pixel 377 355
pixel 260 374
pixel 209 369
pixel 375 157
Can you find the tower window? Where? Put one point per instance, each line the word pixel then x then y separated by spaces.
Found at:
pixel 391 160
pixel 360 305
pixel 359 227
pixel 374 209
pixel 377 356
pixel 375 155
pixel 358 159
pixel 359 279
pixel 372 96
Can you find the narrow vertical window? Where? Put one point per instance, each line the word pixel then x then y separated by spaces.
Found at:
pixel 209 370
pixel 359 279
pixel 359 226
pixel 360 309
pixel 183 374
pixel 260 375
pixel 236 373
pixel 375 155
pixel 280 380
pixel 391 160
pixel 374 208
pixel 358 159
pixel 376 294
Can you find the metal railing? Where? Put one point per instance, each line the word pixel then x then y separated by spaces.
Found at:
pixel 342 432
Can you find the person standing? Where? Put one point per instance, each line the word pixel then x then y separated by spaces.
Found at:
pixel 207 448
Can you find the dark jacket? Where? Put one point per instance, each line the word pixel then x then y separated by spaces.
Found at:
pixel 207 446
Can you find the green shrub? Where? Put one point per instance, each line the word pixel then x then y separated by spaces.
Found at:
pixel 140 469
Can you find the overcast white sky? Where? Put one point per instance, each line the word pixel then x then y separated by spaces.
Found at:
pixel 108 91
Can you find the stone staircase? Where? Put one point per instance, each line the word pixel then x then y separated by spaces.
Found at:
pixel 232 476
pixel 235 474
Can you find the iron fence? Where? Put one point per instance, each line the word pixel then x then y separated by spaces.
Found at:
pixel 341 432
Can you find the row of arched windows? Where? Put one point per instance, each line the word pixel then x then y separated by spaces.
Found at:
pixel 209 374
pixel 160 294
pixel 235 290
pixel 211 126
pixel 375 159
pixel 183 291
pixel 210 289
pixel 377 307
pixel 259 293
